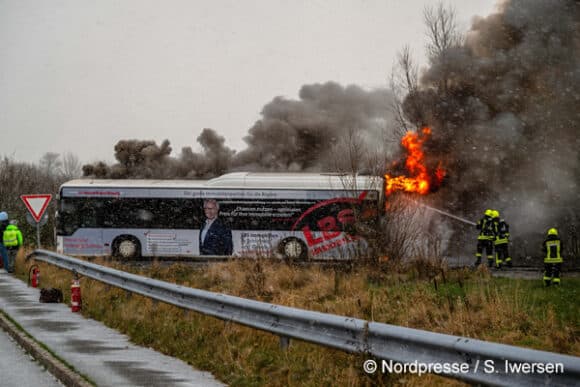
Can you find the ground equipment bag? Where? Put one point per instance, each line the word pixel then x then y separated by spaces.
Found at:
pixel 50 295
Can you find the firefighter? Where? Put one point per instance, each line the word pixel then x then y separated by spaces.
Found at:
pixel 552 248
pixel 502 234
pixel 12 241
pixel 485 238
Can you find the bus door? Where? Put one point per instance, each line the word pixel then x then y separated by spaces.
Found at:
pixel 81 233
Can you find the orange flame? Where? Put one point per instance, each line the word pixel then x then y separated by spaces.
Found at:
pixel 420 179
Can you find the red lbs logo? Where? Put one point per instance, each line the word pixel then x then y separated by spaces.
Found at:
pixel 332 218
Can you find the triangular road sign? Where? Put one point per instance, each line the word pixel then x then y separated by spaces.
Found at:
pixel 36 204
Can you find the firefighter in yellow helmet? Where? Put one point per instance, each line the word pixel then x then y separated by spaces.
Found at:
pixel 502 234
pixel 485 238
pixel 552 258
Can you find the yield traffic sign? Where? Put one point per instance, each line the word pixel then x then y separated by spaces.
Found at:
pixel 36 204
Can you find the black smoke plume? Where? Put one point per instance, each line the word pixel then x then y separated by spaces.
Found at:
pixel 505 113
pixel 292 135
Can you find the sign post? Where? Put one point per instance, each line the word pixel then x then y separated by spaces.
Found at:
pixel 36 205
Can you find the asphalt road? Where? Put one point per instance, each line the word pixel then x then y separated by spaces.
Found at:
pixel 18 369
pixel 103 355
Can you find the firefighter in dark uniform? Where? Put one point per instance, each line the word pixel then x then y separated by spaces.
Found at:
pixel 485 238
pixel 502 234
pixel 552 258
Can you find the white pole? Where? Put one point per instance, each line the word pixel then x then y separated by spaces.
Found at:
pixel 38 235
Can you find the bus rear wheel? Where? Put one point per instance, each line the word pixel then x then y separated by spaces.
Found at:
pixel 126 247
pixel 293 249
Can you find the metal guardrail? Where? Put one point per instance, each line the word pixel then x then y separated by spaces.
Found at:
pixel 390 348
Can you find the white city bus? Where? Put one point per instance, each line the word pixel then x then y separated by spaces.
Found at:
pixel 291 215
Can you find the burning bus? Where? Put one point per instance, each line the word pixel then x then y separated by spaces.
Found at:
pixel 296 216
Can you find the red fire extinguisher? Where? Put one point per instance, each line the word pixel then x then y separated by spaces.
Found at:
pixel 34 276
pixel 75 294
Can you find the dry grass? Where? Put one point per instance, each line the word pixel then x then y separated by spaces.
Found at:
pixel 423 295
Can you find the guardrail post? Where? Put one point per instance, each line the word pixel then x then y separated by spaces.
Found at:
pixel 284 342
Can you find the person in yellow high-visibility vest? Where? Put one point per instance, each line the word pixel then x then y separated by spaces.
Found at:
pixel 12 239
pixel 552 258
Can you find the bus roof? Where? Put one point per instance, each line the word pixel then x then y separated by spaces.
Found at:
pixel 132 183
pixel 295 181
pixel 249 180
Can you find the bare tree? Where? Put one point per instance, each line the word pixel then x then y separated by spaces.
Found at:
pixel 442 30
pixel 348 153
pixel 400 231
pixel 50 163
pixel 442 35
pixel 404 81
pixel 71 166
pixel 356 152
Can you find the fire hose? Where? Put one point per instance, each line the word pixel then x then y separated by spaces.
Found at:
pixel 446 213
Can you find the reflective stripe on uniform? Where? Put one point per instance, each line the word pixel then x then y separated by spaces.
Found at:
pixel 553 252
pixel 10 238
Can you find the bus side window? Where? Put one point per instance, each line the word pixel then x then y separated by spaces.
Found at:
pixel 140 214
pixel 88 213
pixel 167 213
pixel 144 216
pixel 106 220
pixel 195 214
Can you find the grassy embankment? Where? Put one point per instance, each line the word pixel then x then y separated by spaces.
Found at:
pixel 424 296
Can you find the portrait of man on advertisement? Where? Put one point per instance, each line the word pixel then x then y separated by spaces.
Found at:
pixel 215 238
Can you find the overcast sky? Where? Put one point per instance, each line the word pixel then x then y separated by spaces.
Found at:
pixel 78 76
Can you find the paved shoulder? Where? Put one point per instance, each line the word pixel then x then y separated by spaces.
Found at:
pixel 103 355
pixel 19 369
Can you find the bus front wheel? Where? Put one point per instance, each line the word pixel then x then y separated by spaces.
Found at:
pixel 126 247
pixel 293 249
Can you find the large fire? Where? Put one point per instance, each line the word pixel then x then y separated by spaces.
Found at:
pixel 420 179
